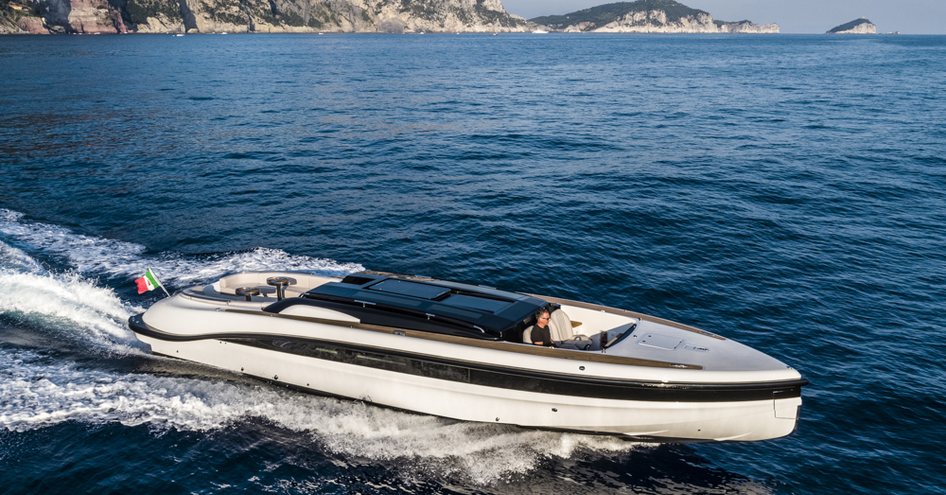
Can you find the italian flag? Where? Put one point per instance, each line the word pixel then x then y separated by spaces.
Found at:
pixel 147 282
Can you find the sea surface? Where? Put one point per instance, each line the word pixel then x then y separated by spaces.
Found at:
pixel 785 191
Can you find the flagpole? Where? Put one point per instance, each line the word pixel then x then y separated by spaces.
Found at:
pixel 156 279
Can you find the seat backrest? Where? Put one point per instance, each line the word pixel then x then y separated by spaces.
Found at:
pixel 527 335
pixel 560 326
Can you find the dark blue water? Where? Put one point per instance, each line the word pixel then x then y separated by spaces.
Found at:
pixel 784 191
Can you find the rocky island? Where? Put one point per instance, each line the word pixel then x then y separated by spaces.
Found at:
pixel 857 26
pixel 648 16
pixel 275 16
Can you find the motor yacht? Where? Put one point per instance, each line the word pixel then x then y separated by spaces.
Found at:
pixel 465 351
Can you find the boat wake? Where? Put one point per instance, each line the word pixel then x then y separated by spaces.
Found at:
pixel 107 257
pixel 66 354
pixel 38 390
pixel 64 306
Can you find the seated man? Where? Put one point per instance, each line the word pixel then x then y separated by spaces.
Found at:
pixel 540 331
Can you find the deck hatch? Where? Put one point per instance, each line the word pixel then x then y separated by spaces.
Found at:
pixel 660 341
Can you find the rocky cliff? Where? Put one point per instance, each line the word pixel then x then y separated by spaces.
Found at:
pixel 857 26
pixel 166 16
pixel 648 16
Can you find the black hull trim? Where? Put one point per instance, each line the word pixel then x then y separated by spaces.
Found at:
pixel 494 376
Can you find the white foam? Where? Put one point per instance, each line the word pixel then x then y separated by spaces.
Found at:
pixel 93 255
pixel 186 270
pixel 36 391
pixel 65 302
pixel 88 254
pixel 15 259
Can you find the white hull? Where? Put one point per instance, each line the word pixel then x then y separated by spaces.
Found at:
pixel 696 421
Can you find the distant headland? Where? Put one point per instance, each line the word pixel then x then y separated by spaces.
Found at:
pixel 648 16
pixel 857 26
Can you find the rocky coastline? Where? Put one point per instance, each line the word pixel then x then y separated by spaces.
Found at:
pixel 242 16
pixel 378 16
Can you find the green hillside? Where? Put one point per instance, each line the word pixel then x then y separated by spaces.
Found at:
pixel 603 14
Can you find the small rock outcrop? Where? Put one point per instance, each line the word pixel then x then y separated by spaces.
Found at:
pixel 648 16
pixel 745 26
pixel 857 26
pixel 276 16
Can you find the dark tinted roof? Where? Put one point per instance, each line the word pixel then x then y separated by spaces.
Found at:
pixel 458 308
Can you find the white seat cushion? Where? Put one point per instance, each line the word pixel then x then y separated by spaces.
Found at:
pixel 560 326
pixel 527 335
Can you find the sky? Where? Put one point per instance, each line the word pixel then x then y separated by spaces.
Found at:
pixel 794 16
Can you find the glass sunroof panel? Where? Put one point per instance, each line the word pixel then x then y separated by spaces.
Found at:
pixel 486 304
pixel 407 288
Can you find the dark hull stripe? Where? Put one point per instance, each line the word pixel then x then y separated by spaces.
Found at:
pixel 496 376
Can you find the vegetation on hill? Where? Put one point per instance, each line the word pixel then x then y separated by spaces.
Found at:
pixel 603 14
pixel 850 25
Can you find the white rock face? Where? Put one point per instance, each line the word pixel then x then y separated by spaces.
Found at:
pixel 29 24
pixel 866 28
pixel 281 16
pixel 162 24
pixel 444 16
pixel 92 16
pixel 749 28
pixel 20 20
pixel 655 21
